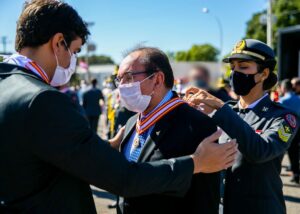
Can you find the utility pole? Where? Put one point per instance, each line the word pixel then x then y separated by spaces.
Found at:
pixel 269 23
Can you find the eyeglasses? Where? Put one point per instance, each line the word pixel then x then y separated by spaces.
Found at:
pixel 128 77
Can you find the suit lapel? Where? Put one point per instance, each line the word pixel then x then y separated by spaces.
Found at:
pixel 157 134
pixel 129 128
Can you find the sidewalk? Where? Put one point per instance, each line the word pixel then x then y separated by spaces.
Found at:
pixel 291 192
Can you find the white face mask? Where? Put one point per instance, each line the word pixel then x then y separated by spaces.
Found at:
pixel 132 98
pixel 63 75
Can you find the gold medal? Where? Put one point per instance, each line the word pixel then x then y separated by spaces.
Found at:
pixel 136 142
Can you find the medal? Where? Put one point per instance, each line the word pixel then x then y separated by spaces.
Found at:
pixel 136 142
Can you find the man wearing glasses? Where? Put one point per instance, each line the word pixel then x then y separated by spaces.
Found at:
pixel 165 127
pixel 48 153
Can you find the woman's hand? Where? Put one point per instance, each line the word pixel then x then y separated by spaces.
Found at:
pixel 202 100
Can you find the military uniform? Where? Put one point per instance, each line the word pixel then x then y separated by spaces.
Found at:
pixel 263 131
pixel 253 183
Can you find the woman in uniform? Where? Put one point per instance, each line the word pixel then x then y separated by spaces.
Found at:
pixel 263 130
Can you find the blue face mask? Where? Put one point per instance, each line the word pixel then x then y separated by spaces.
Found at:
pixel 242 83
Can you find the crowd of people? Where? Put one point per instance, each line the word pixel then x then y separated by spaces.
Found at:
pixel 198 150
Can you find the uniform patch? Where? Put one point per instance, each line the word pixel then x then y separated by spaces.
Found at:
pixel 291 119
pixel 284 133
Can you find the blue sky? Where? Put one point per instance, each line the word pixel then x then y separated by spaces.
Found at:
pixel 171 25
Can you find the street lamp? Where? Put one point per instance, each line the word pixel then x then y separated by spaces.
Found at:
pixel 206 10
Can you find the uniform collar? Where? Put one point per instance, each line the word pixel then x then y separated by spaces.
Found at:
pixel 261 106
pixel 252 105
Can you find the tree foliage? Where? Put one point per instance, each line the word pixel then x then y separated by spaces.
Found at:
pixel 286 13
pixel 205 52
pixel 98 59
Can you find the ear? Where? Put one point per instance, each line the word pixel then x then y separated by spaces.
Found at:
pixel 56 42
pixel 160 80
pixel 265 73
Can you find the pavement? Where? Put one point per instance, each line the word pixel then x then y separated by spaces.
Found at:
pixel 291 193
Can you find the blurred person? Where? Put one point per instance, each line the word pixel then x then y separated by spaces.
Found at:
pixel 275 93
pixel 223 86
pixel 294 80
pixel 49 155
pixel 199 76
pixel 73 97
pixel 296 87
pixel 292 101
pixel 83 87
pixel 145 81
pixel 92 103
pixel 263 130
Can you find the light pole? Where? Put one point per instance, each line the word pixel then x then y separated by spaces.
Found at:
pixel 206 10
pixel 269 23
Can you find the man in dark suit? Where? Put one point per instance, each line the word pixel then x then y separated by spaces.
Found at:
pixel 91 104
pixel 175 131
pixel 48 153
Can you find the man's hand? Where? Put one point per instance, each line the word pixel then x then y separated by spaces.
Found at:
pixel 212 157
pixel 202 100
pixel 116 140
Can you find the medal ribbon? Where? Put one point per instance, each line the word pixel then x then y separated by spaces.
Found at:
pixel 142 126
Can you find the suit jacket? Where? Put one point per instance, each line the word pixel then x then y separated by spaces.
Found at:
pixel 49 155
pixel 91 100
pixel 253 183
pixel 177 133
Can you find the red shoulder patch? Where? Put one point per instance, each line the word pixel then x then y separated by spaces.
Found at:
pixel 291 119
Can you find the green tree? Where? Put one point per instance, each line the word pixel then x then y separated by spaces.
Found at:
pixel 205 52
pixel 181 56
pixel 286 12
pixel 98 59
pixel 256 30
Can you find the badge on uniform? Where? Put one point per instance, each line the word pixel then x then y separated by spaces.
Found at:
pixel 284 133
pixel 291 119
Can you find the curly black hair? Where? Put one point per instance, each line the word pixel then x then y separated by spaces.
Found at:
pixel 42 19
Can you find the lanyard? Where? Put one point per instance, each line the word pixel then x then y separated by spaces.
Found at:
pixel 27 63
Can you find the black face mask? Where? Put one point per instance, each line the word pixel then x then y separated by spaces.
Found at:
pixel 242 83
